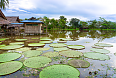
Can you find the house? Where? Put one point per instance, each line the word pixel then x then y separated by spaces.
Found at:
pixel 32 26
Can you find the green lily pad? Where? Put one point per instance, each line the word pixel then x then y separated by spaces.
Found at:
pixel 59 71
pixel 10 67
pixel 45 39
pixel 23 49
pixel 43 49
pixel 97 47
pixel 79 63
pixel 9 56
pixel 100 50
pixel 103 45
pixel 34 38
pixel 76 47
pixel 0 42
pixel 2 45
pixel 8 47
pixel 32 53
pixel 46 42
pixel 2 39
pixel 58 45
pixel 20 39
pixel 61 49
pixel 36 44
pixel 61 41
pixel 37 62
pixel 14 43
pixel 71 53
pixel 96 56
pixel 51 54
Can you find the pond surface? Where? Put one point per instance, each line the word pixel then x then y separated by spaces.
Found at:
pixel 87 38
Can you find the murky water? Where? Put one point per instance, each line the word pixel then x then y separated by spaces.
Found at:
pixel 105 69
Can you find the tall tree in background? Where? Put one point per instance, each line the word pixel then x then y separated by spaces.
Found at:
pixel 4 3
pixel 75 23
pixel 46 21
pixel 62 22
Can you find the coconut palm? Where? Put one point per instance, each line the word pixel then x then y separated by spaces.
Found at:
pixel 4 3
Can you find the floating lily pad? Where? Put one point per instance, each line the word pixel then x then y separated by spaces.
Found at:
pixel 59 71
pixel 17 43
pixel 45 39
pixel 71 53
pixel 100 50
pixel 76 47
pixel 9 56
pixel 97 47
pixel 79 63
pixel 96 56
pixel 10 67
pixel 51 54
pixel 34 38
pixel 32 53
pixel 2 39
pixel 61 49
pixel 0 42
pixel 36 44
pixel 58 45
pixel 23 49
pixel 32 41
pixel 43 49
pixel 2 45
pixel 37 62
pixel 20 39
pixel 103 45
pixel 8 47
pixel 66 39
pixel 46 42
pixel 61 41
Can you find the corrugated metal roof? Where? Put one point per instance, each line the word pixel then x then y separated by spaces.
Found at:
pixel 17 23
pixel 31 21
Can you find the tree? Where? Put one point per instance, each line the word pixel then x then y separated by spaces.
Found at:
pixel 75 23
pixel 62 22
pixel 46 21
pixel 92 24
pixel 3 4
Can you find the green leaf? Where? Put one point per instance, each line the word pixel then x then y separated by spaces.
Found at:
pixel 46 42
pixel 43 49
pixel 76 47
pixel 23 49
pixel 58 45
pixel 10 67
pixel 59 71
pixel 36 44
pixel 20 39
pixel 8 47
pixel 15 43
pixel 103 45
pixel 100 50
pixel 50 54
pixel 61 49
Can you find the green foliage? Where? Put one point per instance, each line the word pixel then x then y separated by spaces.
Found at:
pixel 4 3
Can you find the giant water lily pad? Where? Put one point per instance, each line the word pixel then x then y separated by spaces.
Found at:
pixel 20 39
pixel 15 43
pixel 0 42
pixel 103 45
pixel 2 39
pixel 32 53
pixel 10 67
pixel 61 49
pixel 2 45
pixel 43 49
pixel 58 45
pixel 79 63
pixel 9 56
pixel 71 53
pixel 61 41
pixel 96 56
pixel 46 42
pixel 45 39
pixel 97 47
pixel 8 47
pixel 36 44
pixel 37 62
pixel 76 47
pixel 51 54
pixel 100 50
pixel 23 49
pixel 59 71
pixel 34 38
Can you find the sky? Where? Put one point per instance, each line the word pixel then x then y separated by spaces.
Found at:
pixel 84 10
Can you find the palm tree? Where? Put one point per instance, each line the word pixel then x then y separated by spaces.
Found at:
pixel 4 3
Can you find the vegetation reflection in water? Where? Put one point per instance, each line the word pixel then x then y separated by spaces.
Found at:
pixel 87 38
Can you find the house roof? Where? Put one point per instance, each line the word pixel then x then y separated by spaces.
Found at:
pixel 3 21
pixel 13 19
pixel 17 23
pixel 2 15
pixel 31 21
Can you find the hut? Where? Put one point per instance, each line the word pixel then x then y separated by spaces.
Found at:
pixel 32 26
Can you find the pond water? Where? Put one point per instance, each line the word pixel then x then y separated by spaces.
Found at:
pixel 87 38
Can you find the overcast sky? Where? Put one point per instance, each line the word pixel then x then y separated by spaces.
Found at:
pixel 81 9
